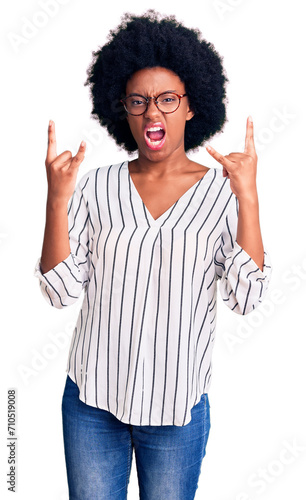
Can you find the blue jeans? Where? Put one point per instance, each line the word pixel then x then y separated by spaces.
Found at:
pixel 99 447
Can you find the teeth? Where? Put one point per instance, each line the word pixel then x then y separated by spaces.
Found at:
pixel 154 129
pixel 154 142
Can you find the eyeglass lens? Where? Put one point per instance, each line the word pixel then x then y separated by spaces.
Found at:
pixel 167 103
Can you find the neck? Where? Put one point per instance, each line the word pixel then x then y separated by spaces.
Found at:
pixel 177 162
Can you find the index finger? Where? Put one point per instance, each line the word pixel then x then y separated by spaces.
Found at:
pixel 51 151
pixel 249 137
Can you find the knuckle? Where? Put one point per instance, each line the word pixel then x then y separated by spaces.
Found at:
pixel 52 166
pixel 78 158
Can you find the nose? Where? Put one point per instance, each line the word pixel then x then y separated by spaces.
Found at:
pixel 152 109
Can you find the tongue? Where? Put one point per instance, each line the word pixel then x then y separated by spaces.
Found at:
pixel 156 136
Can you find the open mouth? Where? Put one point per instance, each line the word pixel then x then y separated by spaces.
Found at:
pixel 155 136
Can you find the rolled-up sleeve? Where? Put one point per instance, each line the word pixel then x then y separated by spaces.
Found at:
pixel 242 284
pixel 62 285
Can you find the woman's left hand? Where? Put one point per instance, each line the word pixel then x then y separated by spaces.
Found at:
pixel 240 168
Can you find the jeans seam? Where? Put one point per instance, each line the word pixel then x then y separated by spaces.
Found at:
pixel 204 425
pixel 129 462
pixel 205 429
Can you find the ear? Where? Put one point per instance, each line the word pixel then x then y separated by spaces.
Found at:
pixel 190 114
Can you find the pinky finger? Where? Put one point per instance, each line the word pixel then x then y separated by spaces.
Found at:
pixel 82 147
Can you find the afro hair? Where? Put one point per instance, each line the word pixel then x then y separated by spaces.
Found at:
pixel 148 41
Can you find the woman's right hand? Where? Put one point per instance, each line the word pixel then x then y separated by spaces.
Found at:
pixel 62 169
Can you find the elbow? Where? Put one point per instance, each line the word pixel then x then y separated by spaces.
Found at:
pixel 60 301
pixel 244 305
pixel 244 311
pixel 238 308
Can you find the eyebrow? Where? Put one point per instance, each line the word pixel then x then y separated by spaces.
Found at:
pixel 163 92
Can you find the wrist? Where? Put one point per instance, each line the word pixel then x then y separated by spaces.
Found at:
pixel 249 198
pixel 57 203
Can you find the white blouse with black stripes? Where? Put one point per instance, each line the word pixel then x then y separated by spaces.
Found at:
pixel 142 345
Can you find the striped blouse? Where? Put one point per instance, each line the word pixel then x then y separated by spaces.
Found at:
pixel 142 345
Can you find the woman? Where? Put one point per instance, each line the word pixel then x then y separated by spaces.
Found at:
pixel 147 241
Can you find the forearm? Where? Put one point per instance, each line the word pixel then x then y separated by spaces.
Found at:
pixel 56 246
pixel 248 230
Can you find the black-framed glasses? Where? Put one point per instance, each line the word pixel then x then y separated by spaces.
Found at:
pixel 166 102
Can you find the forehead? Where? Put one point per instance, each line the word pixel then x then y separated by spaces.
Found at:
pixel 154 80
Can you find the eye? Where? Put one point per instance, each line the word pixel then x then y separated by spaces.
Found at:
pixel 137 102
pixel 168 99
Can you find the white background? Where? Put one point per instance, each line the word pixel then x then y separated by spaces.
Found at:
pixel 257 443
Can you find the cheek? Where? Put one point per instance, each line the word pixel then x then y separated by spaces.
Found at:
pixel 176 129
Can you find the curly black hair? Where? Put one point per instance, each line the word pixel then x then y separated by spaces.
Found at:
pixel 148 41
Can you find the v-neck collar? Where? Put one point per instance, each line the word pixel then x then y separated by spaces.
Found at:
pixel 167 214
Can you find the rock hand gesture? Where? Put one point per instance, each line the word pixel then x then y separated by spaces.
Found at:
pixel 61 175
pixel 62 169
pixel 240 169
